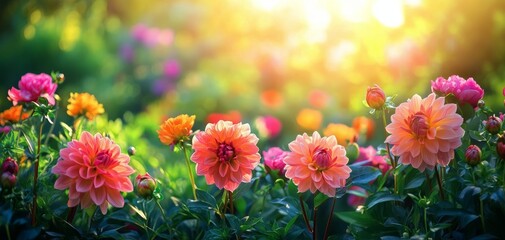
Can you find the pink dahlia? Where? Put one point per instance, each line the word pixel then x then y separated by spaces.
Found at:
pixel 32 87
pixel 466 91
pixel 425 132
pixel 317 163
pixel 225 153
pixel 268 126
pixel 95 172
pixel 274 159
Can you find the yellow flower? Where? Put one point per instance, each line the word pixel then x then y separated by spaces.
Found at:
pixel 175 130
pixel 13 115
pixel 309 119
pixel 84 104
pixel 342 132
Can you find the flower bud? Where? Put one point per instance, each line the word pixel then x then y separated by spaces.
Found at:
pixel 145 186
pixel 60 78
pixel 10 166
pixel 8 180
pixel 481 104
pixel 131 150
pixel 375 97
pixel 493 124
pixel 500 146
pixel 473 155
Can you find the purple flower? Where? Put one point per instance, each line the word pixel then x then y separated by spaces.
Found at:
pixel 274 159
pixel 466 91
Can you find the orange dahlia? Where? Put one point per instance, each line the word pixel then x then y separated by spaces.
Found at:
pixel 317 163
pixel 95 172
pixel 226 153
pixel 309 119
pixel 13 115
pixel 84 104
pixel 176 130
pixel 425 132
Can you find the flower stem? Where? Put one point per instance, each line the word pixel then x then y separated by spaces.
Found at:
pixel 36 175
pixel 191 178
pixel 329 219
pixel 439 181
pixel 71 214
pixel 147 219
pixel 305 218
pixel 425 223
pixel 230 195
pixel 7 230
pixel 164 216
pixel 315 226
pixel 482 220
pixel 391 158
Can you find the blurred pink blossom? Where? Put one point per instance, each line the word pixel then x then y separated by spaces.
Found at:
pixel 370 154
pixel 466 91
pixel 171 68
pixel 268 126
pixel 355 201
pixel 152 37
pixel 274 159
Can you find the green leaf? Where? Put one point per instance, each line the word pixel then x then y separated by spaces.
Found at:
pixel 416 182
pixel 205 197
pixel 476 135
pixel 290 224
pixel 319 199
pixel 358 219
pixel 363 174
pixel 381 197
pixel 138 211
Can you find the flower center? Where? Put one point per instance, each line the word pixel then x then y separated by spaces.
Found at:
pixel 103 159
pixel 419 125
pixel 322 159
pixel 225 152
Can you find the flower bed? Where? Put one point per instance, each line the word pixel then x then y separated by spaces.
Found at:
pixel 439 174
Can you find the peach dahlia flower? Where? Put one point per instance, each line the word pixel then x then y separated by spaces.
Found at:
pixel 317 163
pixel 226 153
pixel 95 172
pixel 425 132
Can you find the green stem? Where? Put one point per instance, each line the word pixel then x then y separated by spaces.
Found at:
pixel 329 219
pixel 147 219
pixel 164 217
pixel 36 175
pixel 315 226
pixel 425 223
pixel 439 181
pixel 7 230
pixel 482 220
pixel 391 158
pixel 191 178
pixel 52 126
pixel 230 195
pixel 305 218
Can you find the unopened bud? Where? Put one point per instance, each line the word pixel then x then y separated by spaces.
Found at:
pixel 60 78
pixel 473 155
pixel 131 150
pixel 10 165
pixel 493 124
pixel 500 146
pixel 145 186
pixel 8 180
pixel 375 97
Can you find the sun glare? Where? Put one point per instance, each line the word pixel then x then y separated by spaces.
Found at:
pixel 389 12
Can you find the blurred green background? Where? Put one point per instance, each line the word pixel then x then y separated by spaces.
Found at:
pixel 257 57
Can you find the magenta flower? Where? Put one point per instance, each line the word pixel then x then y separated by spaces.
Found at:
pixel 274 159
pixel 466 91
pixel 171 69
pixel 32 87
